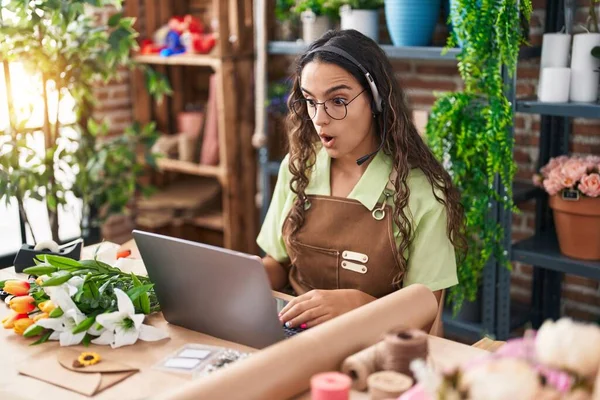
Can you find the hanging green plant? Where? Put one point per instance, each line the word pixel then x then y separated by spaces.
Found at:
pixel 469 130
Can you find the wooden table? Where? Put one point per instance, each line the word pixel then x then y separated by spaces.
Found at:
pixel 15 349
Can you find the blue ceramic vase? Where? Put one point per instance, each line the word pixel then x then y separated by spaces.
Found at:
pixel 411 22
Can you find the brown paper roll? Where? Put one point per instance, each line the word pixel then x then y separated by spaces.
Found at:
pixel 284 370
pixel 360 365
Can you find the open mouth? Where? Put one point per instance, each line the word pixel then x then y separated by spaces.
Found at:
pixel 326 138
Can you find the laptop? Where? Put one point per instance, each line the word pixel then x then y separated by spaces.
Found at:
pixel 209 289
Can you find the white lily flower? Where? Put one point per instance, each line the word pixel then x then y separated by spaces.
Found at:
pixel 96 329
pixel 64 325
pixel 107 253
pixel 125 327
pixel 72 286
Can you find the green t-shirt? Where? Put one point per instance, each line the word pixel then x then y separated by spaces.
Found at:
pixel 431 258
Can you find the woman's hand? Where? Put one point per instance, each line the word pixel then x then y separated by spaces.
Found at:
pixel 318 306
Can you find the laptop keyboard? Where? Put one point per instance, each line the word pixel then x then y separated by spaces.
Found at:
pixel 289 332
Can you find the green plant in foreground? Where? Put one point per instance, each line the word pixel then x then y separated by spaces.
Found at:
pixel 469 130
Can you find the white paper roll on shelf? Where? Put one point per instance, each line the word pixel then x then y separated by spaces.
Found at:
pixel 554 85
pixel 47 245
pixel 584 86
pixel 555 50
pixel 582 58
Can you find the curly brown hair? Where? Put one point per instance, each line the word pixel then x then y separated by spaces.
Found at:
pixel 402 142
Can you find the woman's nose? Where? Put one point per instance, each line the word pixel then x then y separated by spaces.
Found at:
pixel 321 116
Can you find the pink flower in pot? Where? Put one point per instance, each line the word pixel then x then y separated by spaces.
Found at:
pixel 553 164
pixel 555 182
pixel 590 185
pixel 572 171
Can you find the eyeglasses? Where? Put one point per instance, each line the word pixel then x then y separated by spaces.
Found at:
pixel 336 108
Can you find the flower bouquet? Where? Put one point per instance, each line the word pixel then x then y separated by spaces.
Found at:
pixel 558 362
pixel 573 184
pixel 87 301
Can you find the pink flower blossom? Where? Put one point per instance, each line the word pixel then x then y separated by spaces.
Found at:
pixel 573 170
pixel 555 182
pixel 558 379
pixel 590 185
pixel 538 180
pixel 553 164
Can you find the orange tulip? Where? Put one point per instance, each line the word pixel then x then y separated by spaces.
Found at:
pixel 22 304
pixel 9 321
pixel 47 306
pixel 39 316
pixel 16 288
pixel 21 325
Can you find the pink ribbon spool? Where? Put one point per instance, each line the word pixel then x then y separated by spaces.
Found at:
pixel 330 386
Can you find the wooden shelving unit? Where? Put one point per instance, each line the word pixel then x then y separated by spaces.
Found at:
pixel 198 60
pixel 185 167
pixel 232 62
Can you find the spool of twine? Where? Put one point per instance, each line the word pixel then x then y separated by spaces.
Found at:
pixel 330 386
pixel 360 365
pixel 394 353
pixel 388 385
pixel 400 348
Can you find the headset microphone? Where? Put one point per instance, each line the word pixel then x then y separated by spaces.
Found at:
pixel 364 158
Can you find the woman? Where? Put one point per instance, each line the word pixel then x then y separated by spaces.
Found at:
pixel 361 207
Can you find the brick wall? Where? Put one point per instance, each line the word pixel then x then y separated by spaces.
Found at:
pixel 113 98
pixel 581 297
pixel 114 107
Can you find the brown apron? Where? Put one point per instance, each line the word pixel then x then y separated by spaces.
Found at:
pixel 343 245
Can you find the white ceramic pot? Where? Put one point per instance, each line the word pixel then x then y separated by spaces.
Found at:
pixel 584 86
pixel 554 85
pixel 364 21
pixel 581 58
pixel 313 26
pixel 555 50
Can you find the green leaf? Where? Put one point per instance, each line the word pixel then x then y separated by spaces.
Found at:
pixel 85 324
pixel 114 20
pixel 57 280
pixel 59 261
pixel 135 292
pixel 94 289
pixel 33 330
pixel 40 270
pixel 56 313
pixel 43 339
pixel 2 283
pixel 87 339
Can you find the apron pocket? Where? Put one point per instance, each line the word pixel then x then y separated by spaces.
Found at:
pixel 317 266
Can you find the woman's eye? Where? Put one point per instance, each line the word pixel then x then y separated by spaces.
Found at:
pixel 338 101
pixel 310 103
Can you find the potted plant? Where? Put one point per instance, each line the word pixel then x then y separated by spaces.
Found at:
pixel 287 26
pixel 317 17
pixel 469 131
pixel 411 23
pixel 362 15
pixel 88 53
pixel 573 184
